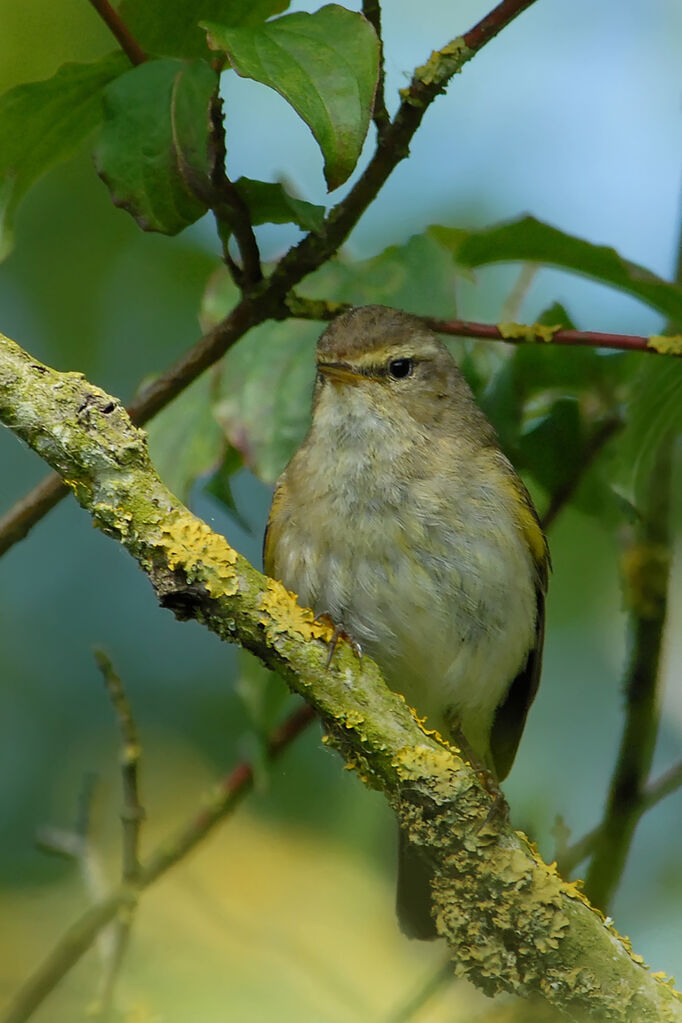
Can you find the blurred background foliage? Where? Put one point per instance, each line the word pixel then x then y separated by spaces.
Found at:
pixel 572 115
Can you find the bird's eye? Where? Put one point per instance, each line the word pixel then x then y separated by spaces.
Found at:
pixel 400 368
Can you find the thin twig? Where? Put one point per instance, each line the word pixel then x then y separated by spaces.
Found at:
pixel 647 573
pixel 120 31
pixel 372 11
pixel 593 447
pixel 221 801
pixel 132 816
pixel 440 978
pixel 530 333
pixel 231 212
pixel 670 781
pixel 510 333
pixel 133 811
pixel 270 299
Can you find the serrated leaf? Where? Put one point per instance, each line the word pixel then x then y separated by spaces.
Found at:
pixel 185 439
pixel 532 240
pixel 324 64
pixel 41 123
pixel 154 141
pixel 270 203
pixel 170 28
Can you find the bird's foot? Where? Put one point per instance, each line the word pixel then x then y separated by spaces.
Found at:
pixel 339 633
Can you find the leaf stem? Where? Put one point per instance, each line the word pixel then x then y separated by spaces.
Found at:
pixel 120 31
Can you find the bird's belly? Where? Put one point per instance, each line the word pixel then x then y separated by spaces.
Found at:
pixel 448 614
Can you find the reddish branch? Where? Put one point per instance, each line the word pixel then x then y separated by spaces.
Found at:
pixel 120 31
pixel 489 26
pixel 589 338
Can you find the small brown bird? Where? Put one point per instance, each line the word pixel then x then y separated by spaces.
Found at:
pixel 400 518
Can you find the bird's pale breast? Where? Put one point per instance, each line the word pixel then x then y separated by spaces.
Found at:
pixel 428 570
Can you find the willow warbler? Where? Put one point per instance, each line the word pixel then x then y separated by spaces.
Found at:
pixel 401 519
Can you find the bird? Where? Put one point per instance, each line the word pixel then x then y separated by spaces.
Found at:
pixel 400 519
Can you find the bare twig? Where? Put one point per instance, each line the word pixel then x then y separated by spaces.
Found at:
pixel 372 11
pixel 132 816
pixel 646 565
pixel 133 812
pixel 440 978
pixel 120 31
pixel 221 801
pixel 667 783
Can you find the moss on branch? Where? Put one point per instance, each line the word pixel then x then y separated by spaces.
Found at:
pixel 511 922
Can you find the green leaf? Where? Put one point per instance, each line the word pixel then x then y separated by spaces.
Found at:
pixel 41 123
pixel 154 142
pixel 270 203
pixel 264 407
pixel 551 446
pixel 418 277
pixel 556 313
pixel 185 439
pixel 171 27
pixel 531 240
pixel 324 64
pixel 653 411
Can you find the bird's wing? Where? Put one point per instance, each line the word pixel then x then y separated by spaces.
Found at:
pixel 510 716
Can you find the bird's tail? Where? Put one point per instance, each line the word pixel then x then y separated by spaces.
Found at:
pixel 413 897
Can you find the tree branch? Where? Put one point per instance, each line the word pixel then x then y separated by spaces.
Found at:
pixel 510 921
pixel 215 806
pixel 231 212
pixel 132 816
pixel 124 37
pixel 537 332
pixel 512 333
pixel 372 11
pixel 646 567
pixel 667 783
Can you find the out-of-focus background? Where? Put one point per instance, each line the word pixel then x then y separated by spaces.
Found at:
pixel 573 115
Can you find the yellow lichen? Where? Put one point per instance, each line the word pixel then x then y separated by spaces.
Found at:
pixel 280 614
pixel 528 332
pixel 665 345
pixel 201 553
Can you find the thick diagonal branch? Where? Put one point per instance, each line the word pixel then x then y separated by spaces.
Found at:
pixel 511 922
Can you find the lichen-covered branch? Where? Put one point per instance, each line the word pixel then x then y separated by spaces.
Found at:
pixel 512 924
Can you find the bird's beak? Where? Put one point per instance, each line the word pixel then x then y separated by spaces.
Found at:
pixel 339 372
